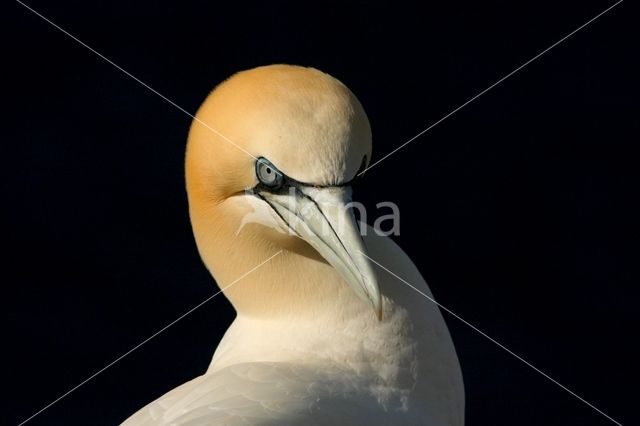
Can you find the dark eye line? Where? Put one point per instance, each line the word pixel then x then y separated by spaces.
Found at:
pixel 288 182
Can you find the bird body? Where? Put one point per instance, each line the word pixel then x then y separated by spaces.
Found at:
pixel 306 346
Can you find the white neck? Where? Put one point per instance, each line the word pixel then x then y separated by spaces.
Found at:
pixel 297 308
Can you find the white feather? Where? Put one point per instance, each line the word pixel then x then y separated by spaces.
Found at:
pixel 402 370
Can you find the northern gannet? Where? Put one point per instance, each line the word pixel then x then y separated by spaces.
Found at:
pixel 306 347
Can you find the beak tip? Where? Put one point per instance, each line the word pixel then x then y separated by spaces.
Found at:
pixel 376 303
pixel 378 310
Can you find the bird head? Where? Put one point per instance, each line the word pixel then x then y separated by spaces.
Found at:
pixel 278 147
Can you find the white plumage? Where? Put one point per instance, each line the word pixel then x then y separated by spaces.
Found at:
pixel 304 348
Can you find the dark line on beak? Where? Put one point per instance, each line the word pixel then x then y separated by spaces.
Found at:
pixel 334 231
pixel 277 213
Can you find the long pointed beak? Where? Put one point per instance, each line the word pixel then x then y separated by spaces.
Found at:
pixel 320 217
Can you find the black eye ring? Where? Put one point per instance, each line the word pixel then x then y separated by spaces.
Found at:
pixel 268 174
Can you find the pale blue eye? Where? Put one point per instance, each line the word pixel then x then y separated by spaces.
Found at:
pixel 268 174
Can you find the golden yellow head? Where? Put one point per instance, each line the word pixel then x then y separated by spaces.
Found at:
pixel 304 121
pixel 274 148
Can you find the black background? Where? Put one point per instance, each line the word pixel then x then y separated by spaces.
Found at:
pixel 518 209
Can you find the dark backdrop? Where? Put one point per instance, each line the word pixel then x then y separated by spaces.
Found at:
pixel 518 209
